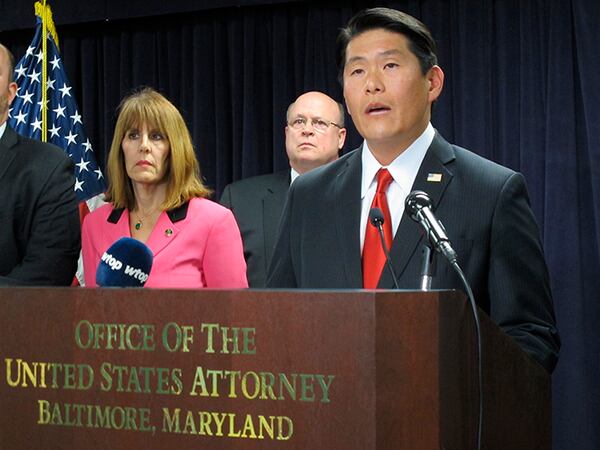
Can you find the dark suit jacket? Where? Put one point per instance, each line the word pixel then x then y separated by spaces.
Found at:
pixel 39 218
pixel 485 210
pixel 257 203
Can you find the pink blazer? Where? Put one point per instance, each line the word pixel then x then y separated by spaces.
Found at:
pixel 196 245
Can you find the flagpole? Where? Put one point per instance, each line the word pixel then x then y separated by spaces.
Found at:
pixel 53 94
pixel 44 136
pixel 43 11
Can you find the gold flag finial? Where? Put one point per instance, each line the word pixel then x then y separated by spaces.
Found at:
pixel 44 12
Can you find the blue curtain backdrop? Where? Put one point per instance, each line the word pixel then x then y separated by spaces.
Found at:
pixel 521 88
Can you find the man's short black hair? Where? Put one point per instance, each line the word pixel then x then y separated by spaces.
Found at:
pixel 421 42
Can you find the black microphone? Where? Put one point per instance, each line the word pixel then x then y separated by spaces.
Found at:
pixel 126 263
pixel 428 267
pixel 418 205
pixel 377 220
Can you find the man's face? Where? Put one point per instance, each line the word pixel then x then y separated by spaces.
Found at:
pixel 308 147
pixel 8 90
pixel 386 93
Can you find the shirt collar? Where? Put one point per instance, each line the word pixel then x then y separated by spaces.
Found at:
pixel 2 128
pixel 293 175
pixel 403 169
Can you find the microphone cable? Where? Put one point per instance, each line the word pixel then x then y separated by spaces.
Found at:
pixel 376 218
pixel 419 206
pixel 465 283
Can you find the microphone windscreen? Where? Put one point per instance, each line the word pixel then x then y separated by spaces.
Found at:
pixel 126 263
pixel 376 217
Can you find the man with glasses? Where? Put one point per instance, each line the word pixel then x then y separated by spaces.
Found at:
pixel 314 136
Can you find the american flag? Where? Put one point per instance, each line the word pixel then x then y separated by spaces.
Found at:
pixel 65 126
pixel 64 123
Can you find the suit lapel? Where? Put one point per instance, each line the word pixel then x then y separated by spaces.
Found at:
pixel 119 220
pixel 166 228
pixel 433 177
pixel 164 231
pixel 273 201
pixel 347 204
pixel 7 151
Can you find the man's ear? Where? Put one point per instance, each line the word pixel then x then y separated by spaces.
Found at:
pixel 435 76
pixel 341 138
pixel 12 92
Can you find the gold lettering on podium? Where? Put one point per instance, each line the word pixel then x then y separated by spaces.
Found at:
pixel 136 382
pixel 231 425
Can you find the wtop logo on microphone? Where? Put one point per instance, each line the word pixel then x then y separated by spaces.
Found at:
pixel 117 265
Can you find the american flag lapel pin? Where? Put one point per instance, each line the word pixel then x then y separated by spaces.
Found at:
pixel 434 177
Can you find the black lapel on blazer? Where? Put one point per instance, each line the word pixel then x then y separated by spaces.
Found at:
pixel 347 214
pixel 273 202
pixel 7 152
pixel 115 215
pixel 179 213
pixel 175 215
pixel 408 236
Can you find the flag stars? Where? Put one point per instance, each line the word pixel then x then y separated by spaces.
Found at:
pixel 54 131
pixel 55 62
pixel 65 90
pixel 70 137
pixel 35 77
pixel 78 185
pixel 76 118
pixel 37 124
pixel 65 122
pixel 20 71
pixel 27 98
pixel 20 118
pixel 87 145
pixel 83 165
pixel 60 111
pixel 40 103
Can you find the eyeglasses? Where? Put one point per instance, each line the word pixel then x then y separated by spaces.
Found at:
pixel 320 125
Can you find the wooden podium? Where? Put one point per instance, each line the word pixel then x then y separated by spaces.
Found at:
pixel 139 369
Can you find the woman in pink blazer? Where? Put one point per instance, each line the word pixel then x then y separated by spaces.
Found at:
pixel 156 195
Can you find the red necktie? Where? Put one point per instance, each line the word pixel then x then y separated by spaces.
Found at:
pixel 373 256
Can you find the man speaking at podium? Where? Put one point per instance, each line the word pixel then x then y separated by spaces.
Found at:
pixel 388 68
pixel 39 219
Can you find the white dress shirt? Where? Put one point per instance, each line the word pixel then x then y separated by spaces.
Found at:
pixel 2 128
pixel 403 169
pixel 293 175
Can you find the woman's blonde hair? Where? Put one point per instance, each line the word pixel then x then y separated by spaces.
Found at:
pixel 148 107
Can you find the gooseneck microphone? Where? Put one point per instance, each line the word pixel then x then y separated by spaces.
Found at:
pixel 377 220
pixel 126 263
pixel 418 205
pixel 428 267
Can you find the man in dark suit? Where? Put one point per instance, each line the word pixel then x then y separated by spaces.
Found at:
pixel 390 77
pixel 39 219
pixel 314 135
